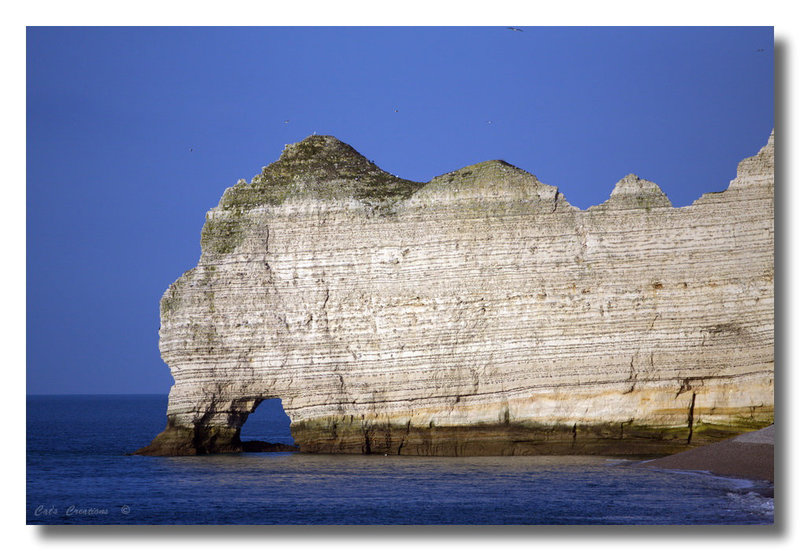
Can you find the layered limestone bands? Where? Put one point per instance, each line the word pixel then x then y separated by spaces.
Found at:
pixel 479 313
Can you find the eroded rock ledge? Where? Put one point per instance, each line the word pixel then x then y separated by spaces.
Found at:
pixel 479 313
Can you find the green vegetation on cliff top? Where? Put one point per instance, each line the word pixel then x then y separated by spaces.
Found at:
pixel 319 167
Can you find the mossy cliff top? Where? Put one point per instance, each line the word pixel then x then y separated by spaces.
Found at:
pixel 321 167
pixel 326 169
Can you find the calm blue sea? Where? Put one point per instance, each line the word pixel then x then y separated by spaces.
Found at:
pixel 78 473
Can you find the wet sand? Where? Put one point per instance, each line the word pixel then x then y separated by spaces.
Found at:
pixel 749 455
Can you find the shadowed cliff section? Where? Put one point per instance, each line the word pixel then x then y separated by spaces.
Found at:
pixel 479 313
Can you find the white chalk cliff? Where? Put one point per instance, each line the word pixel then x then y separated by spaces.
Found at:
pixel 479 313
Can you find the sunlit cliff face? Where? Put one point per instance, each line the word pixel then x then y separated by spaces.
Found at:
pixel 479 313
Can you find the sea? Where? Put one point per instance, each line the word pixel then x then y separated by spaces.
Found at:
pixel 79 472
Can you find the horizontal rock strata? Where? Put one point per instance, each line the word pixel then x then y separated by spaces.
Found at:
pixel 479 313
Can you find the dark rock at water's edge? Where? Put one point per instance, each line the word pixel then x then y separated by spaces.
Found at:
pixel 500 439
pixel 199 440
pixel 258 446
pixel 180 440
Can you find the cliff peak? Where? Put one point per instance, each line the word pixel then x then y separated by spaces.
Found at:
pixel 492 181
pixel 761 162
pixel 633 192
pixel 320 167
pixel 321 148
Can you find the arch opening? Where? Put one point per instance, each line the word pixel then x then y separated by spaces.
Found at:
pixel 266 429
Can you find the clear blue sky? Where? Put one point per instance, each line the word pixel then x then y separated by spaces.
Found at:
pixel 134 133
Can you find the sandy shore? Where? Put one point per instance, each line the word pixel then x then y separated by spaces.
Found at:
pixel 749 455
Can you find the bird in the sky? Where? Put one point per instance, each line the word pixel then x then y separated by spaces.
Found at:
pixel 489 122
pixel 396 110
pixel 515 29
pixel 191 149
pixel 760 50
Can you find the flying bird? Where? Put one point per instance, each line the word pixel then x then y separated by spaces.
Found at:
pixel 760 50
pixel 286 121
pixel 396 110
pixel 515 29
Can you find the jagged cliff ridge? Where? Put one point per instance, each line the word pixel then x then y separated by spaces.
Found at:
pixel 479 313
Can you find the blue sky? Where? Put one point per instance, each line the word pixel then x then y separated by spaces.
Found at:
pixel 134 133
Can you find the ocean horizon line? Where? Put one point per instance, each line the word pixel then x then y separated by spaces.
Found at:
pixel 37 394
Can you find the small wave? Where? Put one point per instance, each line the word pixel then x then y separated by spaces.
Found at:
pixel 752 502
pixel 614 461
pixel 733 482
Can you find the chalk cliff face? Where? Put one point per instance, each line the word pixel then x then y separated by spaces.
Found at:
pixel 479 313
